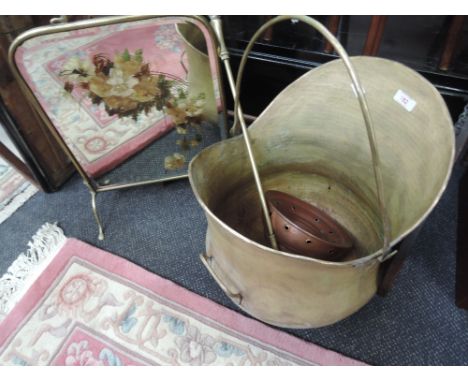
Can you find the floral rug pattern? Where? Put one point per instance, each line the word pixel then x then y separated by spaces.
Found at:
pixel 14 190
pixel 92 308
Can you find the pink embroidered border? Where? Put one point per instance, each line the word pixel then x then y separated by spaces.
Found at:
pixel 169 291
pixel 95 344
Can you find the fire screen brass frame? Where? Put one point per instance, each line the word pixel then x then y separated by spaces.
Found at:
pixel 93 186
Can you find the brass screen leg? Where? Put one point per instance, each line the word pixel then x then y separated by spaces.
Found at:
pixel 96 216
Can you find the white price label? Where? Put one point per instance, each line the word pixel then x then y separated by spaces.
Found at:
pixel 404 100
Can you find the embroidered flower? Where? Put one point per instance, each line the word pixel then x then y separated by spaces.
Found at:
pixel 226 350
pixel 174 162
pixel 176 325
pixel 129 321
pixel 196 348
pixel 109 358
pixel 187 110
pixel 128 63
pixel 115 105
pixel 146 89
pixel 195 107
pixel 178 115
pixel 181 130
pixel 79 355
pixel 99 86
pixel 122 85
pixel 77 69
pixel 76 291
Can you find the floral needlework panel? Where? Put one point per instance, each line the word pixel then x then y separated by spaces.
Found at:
pixel 114 89
pixel 90 316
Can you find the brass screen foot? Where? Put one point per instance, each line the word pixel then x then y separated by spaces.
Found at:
pixel 96 216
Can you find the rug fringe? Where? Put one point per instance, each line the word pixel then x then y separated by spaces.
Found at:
pixel 16 202
pixel 44 245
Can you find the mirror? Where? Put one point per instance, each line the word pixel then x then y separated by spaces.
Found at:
pixel 132 99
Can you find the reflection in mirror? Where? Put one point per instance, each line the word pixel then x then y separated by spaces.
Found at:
pixel 133 101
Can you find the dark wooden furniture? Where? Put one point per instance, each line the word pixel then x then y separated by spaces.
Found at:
pixel 374 35
pixel 288 50
pixel 453 37
pixel 46 163
pixel 17 163
pixel 332 25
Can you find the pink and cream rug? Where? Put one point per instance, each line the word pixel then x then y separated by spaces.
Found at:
pixel 84 306
pixel 15 190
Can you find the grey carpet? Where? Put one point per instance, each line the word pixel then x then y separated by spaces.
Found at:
pixel 149 162
pixel 162 228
